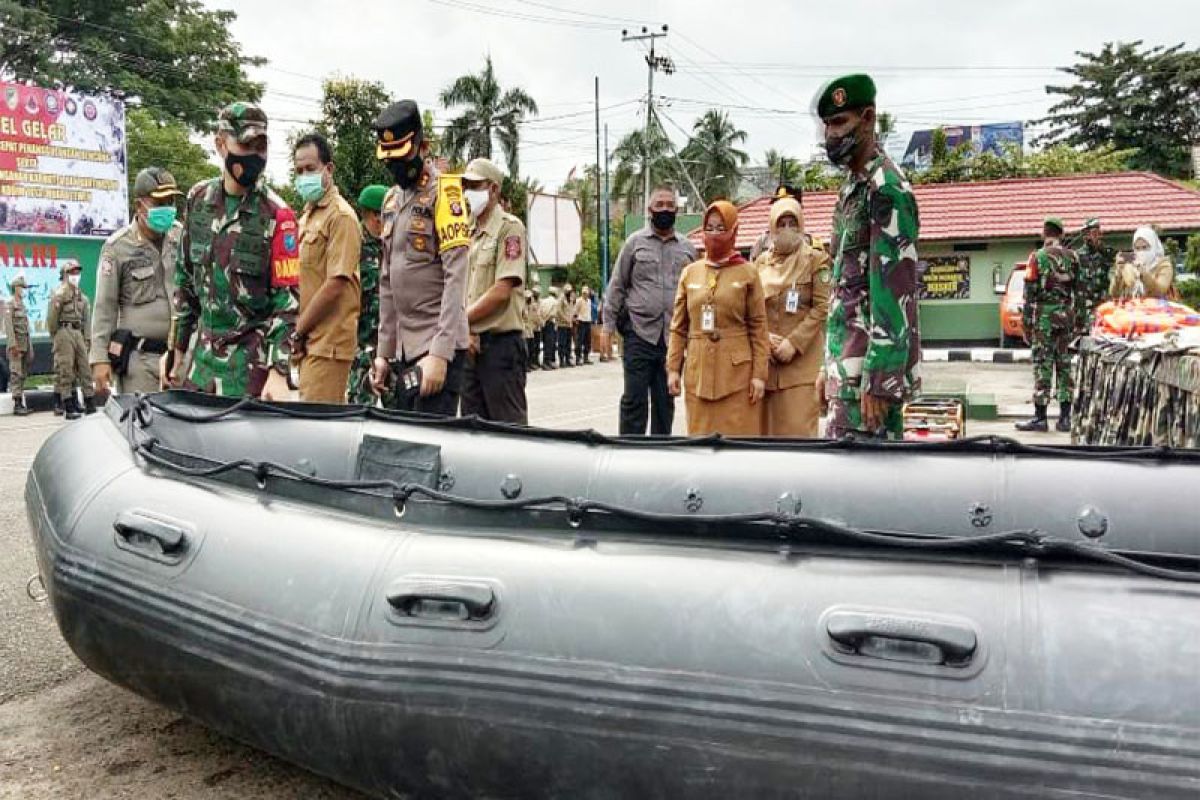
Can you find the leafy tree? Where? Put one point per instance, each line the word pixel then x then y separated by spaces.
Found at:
pixel 348 107
pixel 490 112
pixel 429 131
pixel 175 58
pixel 630 155
pixel 885 126
pixel 583 189
pixel 1191 260
pixel 782 169
pixel 963 163
pixel 150 143
pixel 585 269
pixel 712 155
pixel 817 177
pixel 1128 97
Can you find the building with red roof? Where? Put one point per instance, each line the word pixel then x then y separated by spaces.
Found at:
pixel 972 234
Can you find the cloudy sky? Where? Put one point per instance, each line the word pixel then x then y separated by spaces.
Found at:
pixel 966 62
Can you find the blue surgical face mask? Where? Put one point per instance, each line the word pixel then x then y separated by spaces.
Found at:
pixel 160 218
pixel 310 186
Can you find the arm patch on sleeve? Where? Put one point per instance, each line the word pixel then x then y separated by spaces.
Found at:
pixel 450 217
pixel 512 247
pixel 285 250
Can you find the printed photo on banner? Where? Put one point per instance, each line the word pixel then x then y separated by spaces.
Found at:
pixel 62 163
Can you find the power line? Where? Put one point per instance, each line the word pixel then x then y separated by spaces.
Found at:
pixel 517 15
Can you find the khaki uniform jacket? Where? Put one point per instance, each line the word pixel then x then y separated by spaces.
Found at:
pixel 805 328
pixel 548 308
pixel 497 252
pixel 717 364
pixel 134 285
pixel 330 247
pixel 533 319
pixel 16 327
pixel 69 306
pixel 564 315
pixel 1157 281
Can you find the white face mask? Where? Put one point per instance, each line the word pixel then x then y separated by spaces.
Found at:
pixel 1145 258
pixel 477 199
pixel 73 279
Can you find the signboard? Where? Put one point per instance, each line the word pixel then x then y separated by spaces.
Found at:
pixel 945 278
pixel 918 154
pixel 39 259
pixel 62 163
pixel 555 230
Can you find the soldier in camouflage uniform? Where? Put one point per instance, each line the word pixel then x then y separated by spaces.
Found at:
pixel 1095 260
pixel 872 345
pixel 69 323
pixel 1052 304
pixel 20 349
pixel 238 265
pixel 360 391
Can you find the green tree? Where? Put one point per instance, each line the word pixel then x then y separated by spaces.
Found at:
pixel 631 156
pixel 783 170
pixel 348 107
pixel 151 143
pixel 714 160
pixel 817 177
pixel 489 112
pixel 585 269
pixel 1191 259
pixel 1145 100
pixel 175 58
pixel 515 193
pixel 885 126
pixel 583 189
pixel 433 139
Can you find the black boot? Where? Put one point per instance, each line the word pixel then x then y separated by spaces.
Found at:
pixel 1064 418
pixel 1038 423
pixel 58 405
pixel 89 405
pixel 19 407
pixel 71 408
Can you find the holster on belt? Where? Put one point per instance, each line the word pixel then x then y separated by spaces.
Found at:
pixel 120 350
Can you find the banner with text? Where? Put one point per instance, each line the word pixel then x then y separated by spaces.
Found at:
pixel 39 259
pixel 945 278
pixel 62 163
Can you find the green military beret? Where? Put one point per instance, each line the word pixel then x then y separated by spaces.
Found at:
pixel 371 197
pixel 246 121
pixel 1093 222
pixel 847 93
pixel 1053 222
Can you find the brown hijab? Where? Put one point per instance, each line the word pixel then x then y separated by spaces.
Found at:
pixel 778 270
pixel 719 248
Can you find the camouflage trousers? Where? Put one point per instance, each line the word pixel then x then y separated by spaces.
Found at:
pixel 845 417
pixel 359 390
pixel 1051 340
pixel 71 366
pixel 230 370
pixel 19 365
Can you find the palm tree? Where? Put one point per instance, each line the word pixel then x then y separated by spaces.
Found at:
pixel 631 154
pixel 489 112
pixel 782 170
pixel 714 159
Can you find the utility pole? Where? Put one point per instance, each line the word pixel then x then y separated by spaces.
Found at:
pixel 604 232
pixel 598 165
pixel 655 63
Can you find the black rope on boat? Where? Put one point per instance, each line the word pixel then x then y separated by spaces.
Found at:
pixel 1026 543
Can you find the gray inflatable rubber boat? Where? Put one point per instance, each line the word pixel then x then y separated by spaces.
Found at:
pixel 448 608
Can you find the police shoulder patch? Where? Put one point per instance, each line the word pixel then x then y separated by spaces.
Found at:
pixel 106 265
pixel 450 216
pixel 823 276
pixel 512 247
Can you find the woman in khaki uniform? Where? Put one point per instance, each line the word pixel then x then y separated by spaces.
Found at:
pixel 719 334
pixel 1149 273
pixel 796 281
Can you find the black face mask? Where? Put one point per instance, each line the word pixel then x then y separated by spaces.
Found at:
pixel 663 220
pixel 406 171
pixel 840 149
pixel 250 166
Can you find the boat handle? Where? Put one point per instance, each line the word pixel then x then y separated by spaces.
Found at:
pixel 169 537
pixel 851 630
pixel 424 596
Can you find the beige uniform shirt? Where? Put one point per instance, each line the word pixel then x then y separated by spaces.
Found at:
pixel 498 252
pixel 133 287
pixel 422 288
pixel 330 243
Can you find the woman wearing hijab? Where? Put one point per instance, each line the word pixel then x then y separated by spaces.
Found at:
pixel 796 282
pixel 1149 274
pixel 719 334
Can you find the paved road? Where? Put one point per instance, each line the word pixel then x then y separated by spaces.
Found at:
pixel 65 733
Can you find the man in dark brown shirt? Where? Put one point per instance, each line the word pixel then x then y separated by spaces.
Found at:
pixel 638 303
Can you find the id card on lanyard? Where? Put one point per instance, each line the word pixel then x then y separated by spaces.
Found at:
pixel 708 311
pixel 791 303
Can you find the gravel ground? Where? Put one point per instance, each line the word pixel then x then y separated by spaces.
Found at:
pixel 66 733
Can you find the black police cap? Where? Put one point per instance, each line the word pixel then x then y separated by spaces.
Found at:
pixel 400 119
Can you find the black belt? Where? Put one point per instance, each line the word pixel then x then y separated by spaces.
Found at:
pixel 74 325
pixel 492 336
pixel 151 346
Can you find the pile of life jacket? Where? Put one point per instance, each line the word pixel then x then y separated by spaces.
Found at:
pixel 1141 315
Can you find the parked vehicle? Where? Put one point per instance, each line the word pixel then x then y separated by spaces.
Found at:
pixel 1012 304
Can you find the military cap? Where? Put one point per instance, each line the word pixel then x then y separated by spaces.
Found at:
pixel 1053 222
pixel 787 191
pixel 481 169
pixel 246 121
pixel 398 130
pixel 69 265
pixel 1091 224
pixel 155 182
pixel 371 197
pixel 847 93
pixel 19 281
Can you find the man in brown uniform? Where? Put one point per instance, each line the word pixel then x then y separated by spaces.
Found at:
pixel 326 338
pixel 20 349
pixel 495 374
pixel 422 282
pixel 134 284
pixel 69 322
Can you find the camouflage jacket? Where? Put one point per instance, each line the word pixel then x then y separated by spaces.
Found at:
pixel 235 278
pixel 1050 282
pixel 872 339
pixel 368 270
pixel 1094 266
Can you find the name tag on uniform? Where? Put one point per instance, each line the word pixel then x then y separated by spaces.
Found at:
pixel 708 318
pixel 791 303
